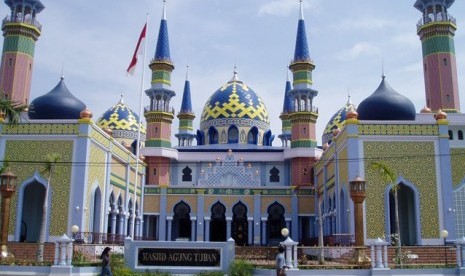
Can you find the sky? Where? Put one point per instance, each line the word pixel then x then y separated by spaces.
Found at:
pixel 351 42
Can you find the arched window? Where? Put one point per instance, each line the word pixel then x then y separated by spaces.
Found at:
pixel 252 136
pixel 274 174
pixel 460 135
pixel 233 135
pixel 213 136
pixel 187 174
pixel 451 135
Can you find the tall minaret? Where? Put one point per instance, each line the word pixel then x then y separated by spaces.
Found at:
pixel 285 136
pixel 159 115
pixel 304 115
pixel 21 31
pixel 186 116
pixel 436 30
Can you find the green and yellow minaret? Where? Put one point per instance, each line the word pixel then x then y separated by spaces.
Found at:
pixel 21 31
pixel 159 115
pixel 303 115
pixel 436 30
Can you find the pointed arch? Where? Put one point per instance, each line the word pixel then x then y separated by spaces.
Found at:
pixel 409 212
pixel 343 210
pixel 239 227
pixel 182 227
pixel 96 210
pixel 275 223
pixel 252 136
pixel 212 136
pixel 218 222
pixel 31 195
pixel 233 135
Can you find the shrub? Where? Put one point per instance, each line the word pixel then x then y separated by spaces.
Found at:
pixel 240 268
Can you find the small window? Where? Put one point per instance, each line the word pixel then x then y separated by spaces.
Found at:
pixel 444 61
pixel 187 174
pixel 274 175
pixel 451 135
pixel 425 67
pixel 460 135
pixel 448 98
pixel 10 61
pixel 154 171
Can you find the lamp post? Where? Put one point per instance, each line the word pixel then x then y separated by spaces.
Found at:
pixel 7 189
pixel 358 195
pixel 74 230
pixel 444 235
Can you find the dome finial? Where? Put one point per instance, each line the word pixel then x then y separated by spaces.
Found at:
pixel 187 72
pixel 348 97
pixel 121 100
pixel 301 11
pixel 164 10
pixel 235 77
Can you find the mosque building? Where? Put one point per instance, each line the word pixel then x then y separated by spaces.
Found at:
pixel 225 178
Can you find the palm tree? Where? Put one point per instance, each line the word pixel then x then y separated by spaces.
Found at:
pixel 51 160
pixel 390 177
pixel 10 111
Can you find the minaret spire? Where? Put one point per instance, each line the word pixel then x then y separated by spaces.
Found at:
pixel 186 116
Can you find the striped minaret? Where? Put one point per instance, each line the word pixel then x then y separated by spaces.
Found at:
pixel 159 115
pixel 186 116
pixel 285 136
pixel 436 30
pixel 21 31
pixel 304 115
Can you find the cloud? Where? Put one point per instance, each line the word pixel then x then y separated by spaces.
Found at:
pixel 283 7
pixel 365 49
pixel 362 23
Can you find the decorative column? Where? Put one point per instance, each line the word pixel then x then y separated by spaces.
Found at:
pixel 228 227
pixel 193 224
pixel 264 241
pixel 249 230
pixel 358 195
pixel 7 189
pixel 207 228
pixel 169 221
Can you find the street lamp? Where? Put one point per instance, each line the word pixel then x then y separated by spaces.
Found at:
pixel 285 232
pixel 358 195
pixel 74 230
pixel 7 189
pixel 444 235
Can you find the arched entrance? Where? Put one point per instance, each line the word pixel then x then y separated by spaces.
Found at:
pixel 218 222
pixel 239 224
pixel 182 227
pixel 97 210
pixel 407 214
pixel 32 211
pixel 275 223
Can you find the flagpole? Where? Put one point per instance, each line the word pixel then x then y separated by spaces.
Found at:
pixel 133 218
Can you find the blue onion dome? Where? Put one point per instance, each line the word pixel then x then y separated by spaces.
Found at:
pixel 235 106
pixel 336 122
pixel 123 122
pixel 385 104
pixel 58 104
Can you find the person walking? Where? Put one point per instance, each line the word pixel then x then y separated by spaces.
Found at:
pixel 280 262
pixel 105 257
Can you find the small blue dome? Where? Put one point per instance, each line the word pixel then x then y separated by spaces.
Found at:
pixel 123 122
pixel 336 121
pixel 385 104
pixel 58 104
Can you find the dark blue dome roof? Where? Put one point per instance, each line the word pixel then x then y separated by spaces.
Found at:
pixel 235 100
pixel 56 104
pixel 385 104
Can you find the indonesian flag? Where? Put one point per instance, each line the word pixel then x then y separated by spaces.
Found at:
pixel 137 51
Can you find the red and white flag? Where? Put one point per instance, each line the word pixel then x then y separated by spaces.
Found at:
pixel 137 51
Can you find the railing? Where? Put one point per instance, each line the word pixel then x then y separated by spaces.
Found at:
pixel 439 17
pixel 21 19
pixel 100 238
